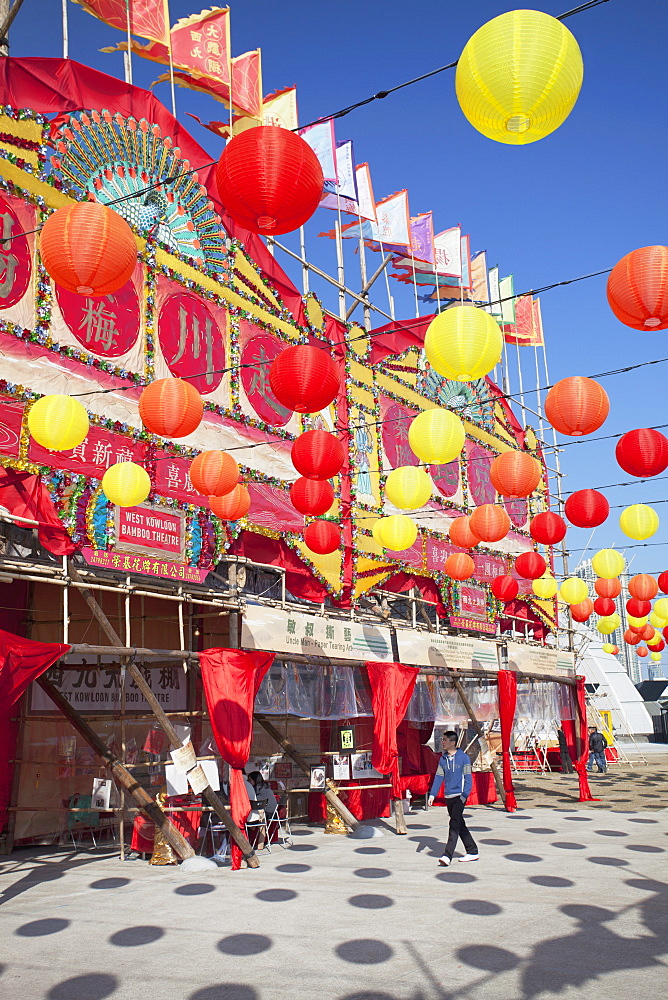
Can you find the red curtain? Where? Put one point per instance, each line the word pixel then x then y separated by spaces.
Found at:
pixel 392 685
pixel 23 494
pixel 231 679
pixel 583 733
pixel 507 701
pixel 21 661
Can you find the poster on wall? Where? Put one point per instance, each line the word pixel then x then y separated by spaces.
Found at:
pixel 341 767
pixel 362 767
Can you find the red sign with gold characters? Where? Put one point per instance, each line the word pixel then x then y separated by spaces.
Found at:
pixel 125 563
pixel 192 341
pixel 107 325
pixel 15 264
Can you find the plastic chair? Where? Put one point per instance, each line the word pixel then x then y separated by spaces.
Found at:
pixel 78 822
pixel 259 824
pixel 214 829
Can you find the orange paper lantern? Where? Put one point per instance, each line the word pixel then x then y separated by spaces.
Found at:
pixel 171 407
pixel 577 406
pixel 638 289
pixel 641 651
pixel 459 566
pixel 631 638
pixel 643 587
pixel 461 534
pixel 214 473
pixel 581 612
pixel 88 248
pixel 515 474
pixel 608 588
pixel 233 506
pixel 489 522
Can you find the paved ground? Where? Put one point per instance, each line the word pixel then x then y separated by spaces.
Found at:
pixel 564 902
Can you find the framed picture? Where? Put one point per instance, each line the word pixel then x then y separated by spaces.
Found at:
pixel 347 739
pixel 362 767
pixel 341 767
pixel 317 778
pixel 283 769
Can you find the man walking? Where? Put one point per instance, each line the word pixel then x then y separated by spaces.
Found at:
pixel 597 746
pixel 454 774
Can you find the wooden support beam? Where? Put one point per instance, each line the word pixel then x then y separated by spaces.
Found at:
pixel 335 802
pixel 120 774
pixel 399 818
pixel 175 742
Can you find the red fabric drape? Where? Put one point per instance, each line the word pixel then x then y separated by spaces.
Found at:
pixel 507 701
pixel 23 494
pixel 231 678
pixel 392 685
pixel 21 661
pixel 583 733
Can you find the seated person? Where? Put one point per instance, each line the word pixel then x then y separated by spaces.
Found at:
pixel 254 815
pixel 263 793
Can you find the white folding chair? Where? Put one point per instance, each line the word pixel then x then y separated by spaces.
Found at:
pixel 259 824
pixel 213 830
pixel 282 822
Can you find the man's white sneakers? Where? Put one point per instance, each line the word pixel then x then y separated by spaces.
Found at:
pixel 444 861
pixel 469 857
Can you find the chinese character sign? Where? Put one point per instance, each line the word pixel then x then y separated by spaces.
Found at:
pixel 15 266
pixel 99 450
pixel 192 341
pixel 106 325
pixel 397 420
pixel 201 44
pixel 256 357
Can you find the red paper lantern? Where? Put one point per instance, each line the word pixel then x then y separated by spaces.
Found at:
pixel 461 533
pixel 658 646
pixel 88 248
pixel 214 473
pixel 459 566
pixel 489 522
pixel 638 289
pixel 586 508
pixel 515 474
pixel 641 651
pixel 547 528
pixel 647 632
pixel 604 606
pixel 638 629
pixel 582 612
pixel 304 378
pixel 663 583
pixel 631 638
pixel 608 588
pixel 577 406
pixel 642 452
pixel 233 506
pixel 312 496
pixel 664 632
pixel 171 408
pixel 505 588
pixel 636 608
pixel 322 537
pixel 643 587
pixel 269 180
pixel 317 454
pixel 530 565
pixel 615 650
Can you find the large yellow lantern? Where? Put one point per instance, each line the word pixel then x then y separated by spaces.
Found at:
pixel 608 623
pixel 396 532
pixel 608 647
pixel 126 484
pixel 408 487
pixel 657 621
pixel 639 521
pixel 463 343
pixel 573 590
pixel 58 422
pixel 661 607
pixel 655 656
pixel 637 622
pixel 436 435
pixel 608 563
pixel 519 76
pixel 544 587
pixel 655 640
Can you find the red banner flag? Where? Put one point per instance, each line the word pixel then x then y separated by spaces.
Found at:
pixel 147 18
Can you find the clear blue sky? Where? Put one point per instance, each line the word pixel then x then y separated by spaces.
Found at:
pixel 572 203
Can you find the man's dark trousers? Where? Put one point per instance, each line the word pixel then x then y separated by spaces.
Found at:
pixel 458 828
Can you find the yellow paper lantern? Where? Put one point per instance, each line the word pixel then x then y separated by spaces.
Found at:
pixel 657 621
pixel 463 343
pixel 608 563
pixel 408 487
pixel 396 532
pixel 519 76
pixel 126 484
pixel 637 622
pixel 661 607
pixel 58 422
pixel 608 623
pixel 655 656
pixel 639 521
pixel 655 640
pixel 608 647
pixel 544 587
pixel 436 435
pixel 573 590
